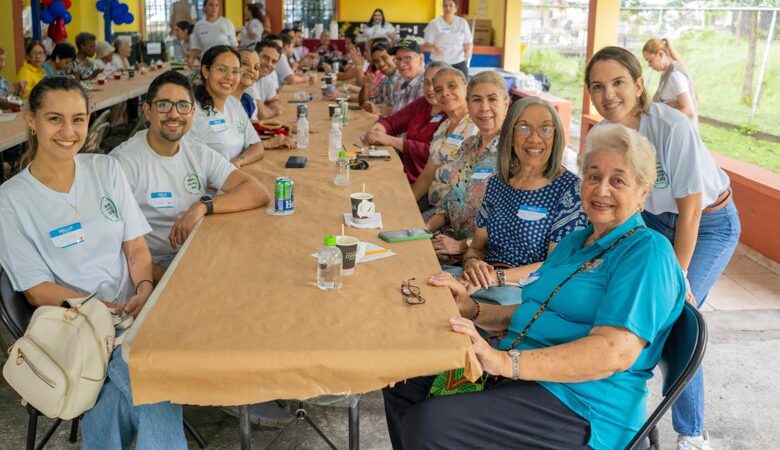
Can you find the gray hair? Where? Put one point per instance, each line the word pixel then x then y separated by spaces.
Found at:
pixel 438 65
pixel 451 71
pixel 638 152
pixel 507 159
pixel 489 77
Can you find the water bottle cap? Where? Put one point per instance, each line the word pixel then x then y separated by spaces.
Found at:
pixel 342 154
pixel 330 240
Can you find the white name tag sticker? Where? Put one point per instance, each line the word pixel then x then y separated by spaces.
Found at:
pixel 437 118
pixel 454 140
pixel 218 125
pixel 162 200
pixel 482 173
pixel 527 212
pixel 67 236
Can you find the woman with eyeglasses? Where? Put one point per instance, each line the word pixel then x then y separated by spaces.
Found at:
pixel 31 71
pixel 530 205
pixel 71 227
pixel 220 121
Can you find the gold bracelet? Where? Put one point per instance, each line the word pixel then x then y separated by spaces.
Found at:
pixel 479 311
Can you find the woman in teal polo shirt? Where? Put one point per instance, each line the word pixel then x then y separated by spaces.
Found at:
pixel 573 366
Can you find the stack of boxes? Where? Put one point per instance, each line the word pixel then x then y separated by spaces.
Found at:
pixel 482 31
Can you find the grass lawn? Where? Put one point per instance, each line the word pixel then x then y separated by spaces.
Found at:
pixel 739 146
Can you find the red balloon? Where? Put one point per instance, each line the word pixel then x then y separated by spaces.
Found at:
pixel 67 3
pixel 46 3
pixel 57 31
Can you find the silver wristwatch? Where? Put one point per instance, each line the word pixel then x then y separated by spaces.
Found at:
pixel 515 355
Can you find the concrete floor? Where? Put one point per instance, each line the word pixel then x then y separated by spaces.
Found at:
pixel 742 373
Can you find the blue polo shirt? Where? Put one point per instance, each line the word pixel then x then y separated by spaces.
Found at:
pixel 639 286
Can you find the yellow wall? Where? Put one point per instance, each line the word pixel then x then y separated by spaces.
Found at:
pixel 7 42
pixel 235 12
pixel 135 11
pixel 395 10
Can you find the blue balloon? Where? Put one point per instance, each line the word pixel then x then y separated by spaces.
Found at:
pixel 68 17
pixel 116 15
pixel 101 5
pixel 46 16
pixel 57 9
pixel 114 4
pixel 129 18
pixel 124 8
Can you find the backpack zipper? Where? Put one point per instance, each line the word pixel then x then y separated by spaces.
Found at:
pixel 20 357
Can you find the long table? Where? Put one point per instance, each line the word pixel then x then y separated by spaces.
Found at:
pixel 238 319
pixel 14 132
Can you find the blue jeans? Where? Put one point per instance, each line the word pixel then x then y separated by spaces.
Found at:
pixel 507 295
pixel 717 239
pixel 113 421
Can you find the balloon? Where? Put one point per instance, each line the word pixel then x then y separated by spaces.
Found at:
pixel 124 8
pixel 68 17
pixel 67 3
pixel 46 16
pixel 114 4
pixel 57 9
pixel 116 15
pixel 101 5
pixel 46 3
pixel 128 18
pixel 57 31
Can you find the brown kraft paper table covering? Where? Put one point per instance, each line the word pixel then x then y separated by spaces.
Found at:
pixel 238 318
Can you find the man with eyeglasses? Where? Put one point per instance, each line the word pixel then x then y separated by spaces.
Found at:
pixel 170 173
pixel 411 64
pixel 381 103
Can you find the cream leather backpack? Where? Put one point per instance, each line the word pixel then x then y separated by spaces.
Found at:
pixel 60 363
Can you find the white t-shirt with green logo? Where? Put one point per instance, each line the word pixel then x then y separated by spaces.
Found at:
pixel 228 132
pixel 74 239
pixel 165 187
pixel 684 164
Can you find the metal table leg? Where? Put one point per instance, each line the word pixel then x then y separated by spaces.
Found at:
pixel 244 427
pixel 354 426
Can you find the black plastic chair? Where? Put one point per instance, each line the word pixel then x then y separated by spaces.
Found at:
pixel 16 313
pixel 680 359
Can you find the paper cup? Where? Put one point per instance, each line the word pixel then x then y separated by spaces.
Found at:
pixel 351 250
pixel 363 206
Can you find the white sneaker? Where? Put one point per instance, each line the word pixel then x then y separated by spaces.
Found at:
pixel 694 442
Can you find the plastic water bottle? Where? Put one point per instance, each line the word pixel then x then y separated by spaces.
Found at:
pixel 334 142
pixel 329 261
pixel 342 170
pixel 303 132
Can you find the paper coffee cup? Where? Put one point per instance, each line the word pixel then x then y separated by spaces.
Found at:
pixel 363 206
pixel 351 250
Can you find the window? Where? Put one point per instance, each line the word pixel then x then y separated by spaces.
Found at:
pixel 309 12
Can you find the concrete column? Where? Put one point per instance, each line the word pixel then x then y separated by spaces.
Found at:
pixel 511 44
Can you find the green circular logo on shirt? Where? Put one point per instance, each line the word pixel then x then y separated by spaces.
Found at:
pixel 109 210
pixel 192 183
pixel 662 179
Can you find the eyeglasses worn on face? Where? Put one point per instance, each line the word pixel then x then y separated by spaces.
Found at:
pixel 545 131
pixel 224 70
pixel 411 293
pixel 165 106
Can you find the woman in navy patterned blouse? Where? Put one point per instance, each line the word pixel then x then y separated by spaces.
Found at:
pixel 528 207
